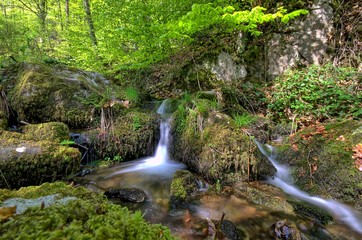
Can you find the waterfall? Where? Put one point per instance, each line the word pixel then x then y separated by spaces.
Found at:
pixel 284 180
pixel 161 156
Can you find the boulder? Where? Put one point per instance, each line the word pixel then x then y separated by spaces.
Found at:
pixel 40 93
pixel 184 189
pixel 25 162
pixel 127 194
pixel 212 146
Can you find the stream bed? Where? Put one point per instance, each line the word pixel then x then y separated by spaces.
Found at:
pixel 253 209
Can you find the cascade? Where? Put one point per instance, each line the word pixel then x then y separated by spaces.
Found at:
pixel 284 181
pixel 161 157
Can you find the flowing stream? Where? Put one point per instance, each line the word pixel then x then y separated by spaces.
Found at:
pixel 284 180
pixel 154 174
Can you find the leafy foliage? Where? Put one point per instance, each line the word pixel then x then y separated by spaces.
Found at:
pixel 129 34
pixel 317 93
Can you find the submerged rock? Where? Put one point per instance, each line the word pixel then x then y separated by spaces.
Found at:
pixel 184 189
pixel 280 230
pixel 127 194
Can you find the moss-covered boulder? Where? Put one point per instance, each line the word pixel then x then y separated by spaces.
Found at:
pixel 209 143
pixel 25 162
pixel 41 93
pixel 184 189
pixel 322 158
pixel 86 215
pixel 134 134
pixel 52 131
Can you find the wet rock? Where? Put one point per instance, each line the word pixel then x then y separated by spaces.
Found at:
pixel 127 194
pixel 184 189
pixel 280 230
pixel 230 231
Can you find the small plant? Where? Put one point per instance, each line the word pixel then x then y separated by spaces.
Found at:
pixel 218 186
pixel 131 94
pixel 243 120
pixel 316 94
pixel 136 123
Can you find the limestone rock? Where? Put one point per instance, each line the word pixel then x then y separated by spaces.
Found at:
pixel 306 44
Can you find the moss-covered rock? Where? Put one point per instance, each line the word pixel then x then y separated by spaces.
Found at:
pixel 134 134
pixel 27 162
pixel 52 131
pixel 209 143
pixel 183 189
pixel 89 216
pixel 321 156
pixel 42 93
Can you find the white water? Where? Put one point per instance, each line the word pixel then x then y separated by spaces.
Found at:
pixel 284 180
pixel 161 158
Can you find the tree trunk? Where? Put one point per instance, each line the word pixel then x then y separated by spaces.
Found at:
pixel 67 10
pixel 89 19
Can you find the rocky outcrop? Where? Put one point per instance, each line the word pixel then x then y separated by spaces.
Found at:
pixel 41 93
pixel 35 157
pixel 322 160
pixel 304 42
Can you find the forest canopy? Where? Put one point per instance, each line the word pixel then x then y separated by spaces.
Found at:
pixel 107 35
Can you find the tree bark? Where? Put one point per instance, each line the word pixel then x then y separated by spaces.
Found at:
pixel 89 19
pixel 67 10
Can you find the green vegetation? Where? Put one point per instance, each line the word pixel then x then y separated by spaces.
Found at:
pixel 110 36
pixel 243 120
pixel 317 93
pixel 90 216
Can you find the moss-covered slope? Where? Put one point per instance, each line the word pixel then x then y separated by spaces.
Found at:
pixel 90 216
pixel 321 156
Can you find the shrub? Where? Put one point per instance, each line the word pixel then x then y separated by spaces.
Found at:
pixel 317 93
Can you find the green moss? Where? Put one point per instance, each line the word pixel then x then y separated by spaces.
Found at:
pixel 26 162
pixel 89 217
pixel 52 131
pixel 328 148
pixel 42 93
pixel 178 189
pixel 134 134
pixel 183 188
